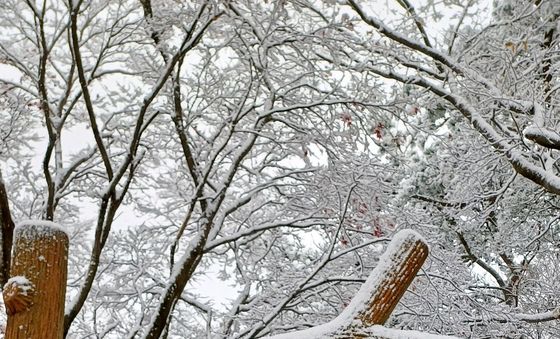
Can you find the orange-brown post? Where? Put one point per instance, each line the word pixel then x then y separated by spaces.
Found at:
pixel 34 295
pixel 403 261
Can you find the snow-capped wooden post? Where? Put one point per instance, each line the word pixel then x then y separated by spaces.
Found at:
pixel 34 295
pixel 386 285
pixel 378 296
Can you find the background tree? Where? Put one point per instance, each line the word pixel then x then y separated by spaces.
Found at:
pixel 201 121
pixel 466 176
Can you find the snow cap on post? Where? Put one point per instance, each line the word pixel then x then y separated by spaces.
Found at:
pixel 35 294
pixel 33 228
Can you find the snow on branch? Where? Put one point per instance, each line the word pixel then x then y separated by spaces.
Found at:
pixel 543 136
pixel 530 318
pixel 547 138
pixel 539 317
pixel 378 331
pixel 520 164
pixel 366 14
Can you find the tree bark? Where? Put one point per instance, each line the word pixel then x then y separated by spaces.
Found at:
pixel 7 229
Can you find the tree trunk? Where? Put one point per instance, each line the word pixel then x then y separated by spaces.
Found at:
pixel 6 233
pixel 34 295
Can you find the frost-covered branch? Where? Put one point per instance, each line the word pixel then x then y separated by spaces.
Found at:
pixel 475 259
pixel 537 174
pixel 326 258
pixel 538 317
pixel 543 136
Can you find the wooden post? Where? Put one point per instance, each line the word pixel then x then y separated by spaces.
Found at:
pixel 379 295
pixel 400 264
pixel 34 295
